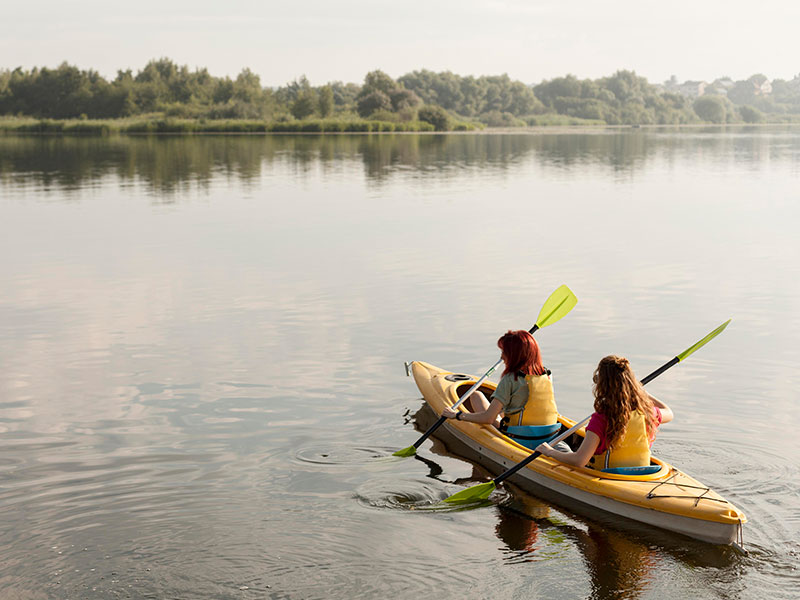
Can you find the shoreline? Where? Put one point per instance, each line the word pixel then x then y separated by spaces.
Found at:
pixel 167 127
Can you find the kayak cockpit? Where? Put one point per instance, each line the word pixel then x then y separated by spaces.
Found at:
pixel 656 470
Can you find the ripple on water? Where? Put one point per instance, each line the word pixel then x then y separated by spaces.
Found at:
pixel 367 572
pixel 763 483
pixel 342 455
pixel 416 495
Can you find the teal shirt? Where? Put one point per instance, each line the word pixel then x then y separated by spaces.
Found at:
pixel 512 392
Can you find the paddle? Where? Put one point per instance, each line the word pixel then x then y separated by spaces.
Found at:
pixel 483 490
pixel 555 307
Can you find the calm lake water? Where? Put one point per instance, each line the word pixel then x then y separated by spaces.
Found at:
pixel 202 344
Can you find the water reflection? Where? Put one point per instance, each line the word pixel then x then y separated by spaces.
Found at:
pixel 622 559
pixel 518 523
pixel 169 164
pixel 191 387
pixel 618 566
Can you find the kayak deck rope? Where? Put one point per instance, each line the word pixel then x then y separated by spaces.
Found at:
pixel 702 496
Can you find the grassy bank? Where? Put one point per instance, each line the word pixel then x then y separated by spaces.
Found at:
pixel 556 120
pixel 189 126
pixel 160 125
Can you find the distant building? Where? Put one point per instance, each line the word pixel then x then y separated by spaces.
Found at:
pixel 692 89
pixel 765 89
pixel 720 87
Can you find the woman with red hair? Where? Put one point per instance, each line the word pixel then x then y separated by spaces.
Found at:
pixel 524 394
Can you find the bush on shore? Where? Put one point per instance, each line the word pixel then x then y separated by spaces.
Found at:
pixel 190 126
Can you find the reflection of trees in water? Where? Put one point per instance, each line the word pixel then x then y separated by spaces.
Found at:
pixel 620 151
pixel 171 164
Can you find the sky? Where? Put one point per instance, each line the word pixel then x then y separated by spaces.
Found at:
pixel 530 40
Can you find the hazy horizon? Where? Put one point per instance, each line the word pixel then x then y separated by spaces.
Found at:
pixel 344 41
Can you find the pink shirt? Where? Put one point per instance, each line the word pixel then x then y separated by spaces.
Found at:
pixel 599 422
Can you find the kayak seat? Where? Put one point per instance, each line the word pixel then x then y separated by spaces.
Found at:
pixel 649 470
pixel 531 436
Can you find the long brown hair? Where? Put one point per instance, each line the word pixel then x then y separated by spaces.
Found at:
pixel 521 352
pixel 617 393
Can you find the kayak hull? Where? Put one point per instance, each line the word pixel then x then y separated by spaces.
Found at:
pixel 668 499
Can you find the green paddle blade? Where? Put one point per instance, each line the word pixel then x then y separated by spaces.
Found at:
pixel 704 341
pixel 472 494
pixel 410 451
pixel 557 306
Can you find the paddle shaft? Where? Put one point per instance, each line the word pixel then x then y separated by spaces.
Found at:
pixel 577 426
pixel 464 396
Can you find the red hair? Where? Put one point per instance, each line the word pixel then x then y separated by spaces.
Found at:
pixel 521 353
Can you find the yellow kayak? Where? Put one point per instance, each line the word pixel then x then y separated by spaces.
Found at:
pixel 667 498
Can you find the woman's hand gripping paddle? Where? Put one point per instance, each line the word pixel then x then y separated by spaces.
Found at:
pixel 483 490
pixel 557 306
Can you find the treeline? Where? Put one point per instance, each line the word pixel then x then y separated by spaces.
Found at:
pixel 443 101
pixel 164 89
pixel 623 98
pixel 752 100
pixel 162 86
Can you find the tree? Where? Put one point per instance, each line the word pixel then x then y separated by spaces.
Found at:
pixel 162 69
pixel 710 108
pixel 626 85
pixel 304 104
pixel 473 92
pixel 635 113
pixel 436 116
pixel 447 89
pixel 373 101
pixel 495 118
pixel 560 87
pixel 750 114
pixel 401 99
pixel 378 81
pixel 325 101
pixel 223 91
pixel 421 83
pixel 344 93
pixel 520 100
pixel 288 93
pixel 742 92
pixel 247 87
pixel 584 108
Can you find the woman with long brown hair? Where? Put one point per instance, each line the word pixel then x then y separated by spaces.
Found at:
pixel 524 392
pixel 623 425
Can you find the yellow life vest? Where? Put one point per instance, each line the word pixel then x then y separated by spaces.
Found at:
pixel 540 409
pixel 633 448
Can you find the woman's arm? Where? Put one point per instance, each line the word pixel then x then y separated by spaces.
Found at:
pixel 578 458
pixel 487 416
pixel 666 411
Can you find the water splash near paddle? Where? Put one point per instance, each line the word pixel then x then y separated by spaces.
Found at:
pixel 411 495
